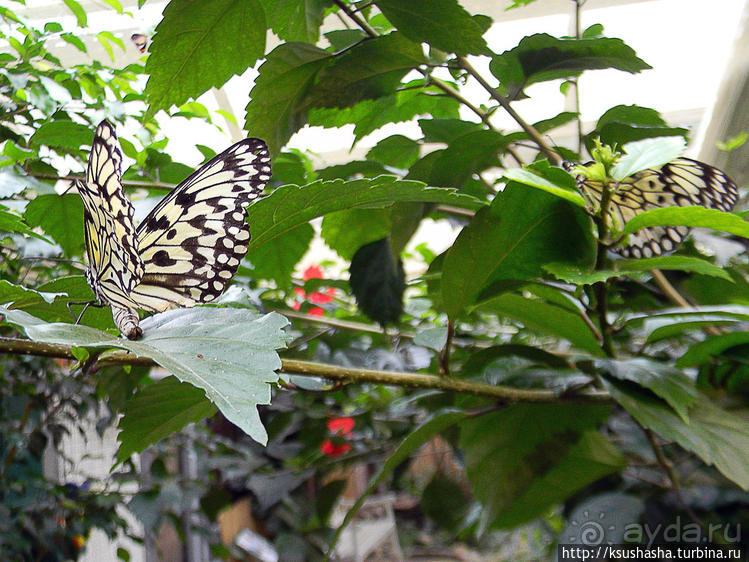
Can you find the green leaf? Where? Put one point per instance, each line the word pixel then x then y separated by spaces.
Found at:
pixel 230 353
pixel 676 263
pixel 369 115
pixel 199 45
pixel 347 231
pixel 526 458
pixel 296 20
pixel 377 281
pixel 544 318
pixel 648 153
pixel 705 350
pixel 78 12
pixel 689 216
pixel 157 411
pixel 446 130
pixel 667 382
pixel 521 231
pixel 443 24
pixel 290 205
pixel 368 70
pixel 64 134
pixel 11 222
pixel 527 177
pixel 627 123
pixel 278 105
pixel 413 441
pixel 60 216
pixel 276 259
pixel 75 41
pixel 23 297
pixel 433 338
pixel 541 57
pixel 397 151
pixel 718 437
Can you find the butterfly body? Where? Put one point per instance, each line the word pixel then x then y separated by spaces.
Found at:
pixel 189 246
pixel 682 182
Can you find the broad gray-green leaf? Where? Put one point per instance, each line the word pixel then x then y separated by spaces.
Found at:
pixel 199 45
pixel 522 230
pixel 703 351
pixel 718 437
pixel 157 411
pixel 444 24
pixel 433 338
pixel 290 205
pixel 525 458
pixel 230 353
pixel 647 153
pixel 689 216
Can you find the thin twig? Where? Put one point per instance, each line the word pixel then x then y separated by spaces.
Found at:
pixel 671 474
pixel 332 372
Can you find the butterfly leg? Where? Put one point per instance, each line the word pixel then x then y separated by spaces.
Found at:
pixel 85 304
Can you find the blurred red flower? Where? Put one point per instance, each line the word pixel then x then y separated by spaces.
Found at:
pixel 315 297
pixel 341 427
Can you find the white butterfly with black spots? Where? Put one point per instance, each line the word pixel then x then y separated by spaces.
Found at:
pixel 189 246
pixel 682 182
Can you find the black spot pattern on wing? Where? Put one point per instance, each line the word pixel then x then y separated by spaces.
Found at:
pixel 115 266
pixel 682 182
pixel 192 242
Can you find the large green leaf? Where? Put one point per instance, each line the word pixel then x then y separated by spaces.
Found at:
pixel 276 259
pixel 157 411
pixel 347 231
pixel 199 45
pixel 703 351
pixel 60 216
pixel 377 281
pixel 397 151
pixel 290 205
pixel 369 115
pixel 230 353
pixel 627 123
pixel 718 437
pixel 444 24
pixel 525 458
pixel 689 216
pixel 64 134
pixel 368 70
pixel 541 57
pixel 666 381
pixel 544 318
pixel 278 105
pixel 522 230
pixel 296 20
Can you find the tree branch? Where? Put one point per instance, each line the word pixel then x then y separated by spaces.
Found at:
pixel 336 373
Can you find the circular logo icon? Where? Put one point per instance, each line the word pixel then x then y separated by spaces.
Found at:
pixel 587 530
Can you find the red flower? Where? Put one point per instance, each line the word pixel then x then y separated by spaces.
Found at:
pixel 315 297
pixel 312 272
pixel 79 541
pixel 330 450
pixel 341 426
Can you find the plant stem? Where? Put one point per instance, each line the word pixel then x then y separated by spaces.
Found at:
pixel 601 288
pixel 668 468
pixel 505 103
pixel 333 372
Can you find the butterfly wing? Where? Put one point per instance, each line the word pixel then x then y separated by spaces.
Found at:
pixel 111 246
pixel 682 182
pixel 191 243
